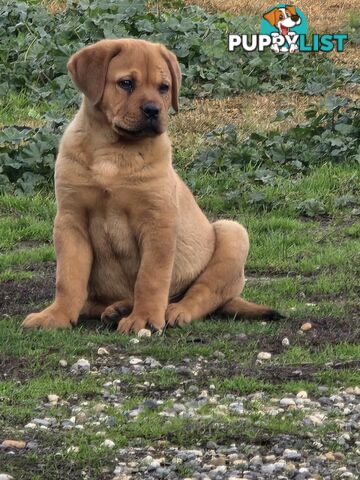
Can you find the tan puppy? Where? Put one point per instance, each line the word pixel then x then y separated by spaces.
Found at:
pixel 128 233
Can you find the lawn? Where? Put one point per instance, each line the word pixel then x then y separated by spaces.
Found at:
pixel 270 141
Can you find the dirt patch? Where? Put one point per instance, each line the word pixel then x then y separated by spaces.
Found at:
pixel 325 331
pixel 16 296
pixel 16 368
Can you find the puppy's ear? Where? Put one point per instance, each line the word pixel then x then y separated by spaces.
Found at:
pixel 272 16
pixel 88 67
pixel 291 9
pixel 175 72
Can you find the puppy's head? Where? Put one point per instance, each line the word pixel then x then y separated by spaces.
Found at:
pixel 283 18
pixel 133 82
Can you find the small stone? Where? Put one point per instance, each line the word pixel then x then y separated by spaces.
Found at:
pixel 268 469
pixel 99 408
pixel 306 326
pixel 63 363
pixel 211 445
pixel 108 443
pixel 53 399
pixel 285 342
pixel 135 361
pixel 17 444
pixel 353 390
pixel 217 461
pixel 43 422
pixel 240 337
pixel 147 460
pixel 287 402
pixel 291 454
pixel 30 426
pixel 81 367
pixel 73 449
pixel 330 456
pixel 218 354
pixel 264 356
pixel 314 420
pixel 237 407
pixel 144 332
pixel 256 460
pixel 302 394
pixel 102 351
pixel 5 476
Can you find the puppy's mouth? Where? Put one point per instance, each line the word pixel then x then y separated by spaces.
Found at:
pixel 284 30
pixel 149 130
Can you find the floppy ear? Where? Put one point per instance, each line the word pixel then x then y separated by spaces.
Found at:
pixel 271 16
pixel 291 9
pixel 88 67
pixel 175 72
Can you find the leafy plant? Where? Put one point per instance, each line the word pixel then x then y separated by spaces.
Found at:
pixel 39 44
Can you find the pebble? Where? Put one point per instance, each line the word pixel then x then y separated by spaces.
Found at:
pixel 287 402
pixel 73 449
pixel 144 332
pixel 53 399
pixel 63 363
pixel 81 367
pixel 17 444
pixel 302 394
pixel 306 326
pixel 291 454
pixel 264 356
pixel 102 351
pixel 30 425
pixel 314 420
pixel 5 476
pixel 285 342
pixel 237 407
pixel 108 443
pixel 240 337
pixel 135 361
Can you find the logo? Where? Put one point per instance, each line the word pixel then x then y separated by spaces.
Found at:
pixel 284 29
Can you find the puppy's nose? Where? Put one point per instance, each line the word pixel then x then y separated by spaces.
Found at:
pixel 151 110
pixel 295 18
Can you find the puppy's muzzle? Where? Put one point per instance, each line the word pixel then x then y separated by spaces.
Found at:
pixel 150 110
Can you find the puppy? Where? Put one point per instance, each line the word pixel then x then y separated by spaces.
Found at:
pixel 130 240
pixel 283 19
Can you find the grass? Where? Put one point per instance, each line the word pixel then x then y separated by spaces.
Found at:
pixel 308 268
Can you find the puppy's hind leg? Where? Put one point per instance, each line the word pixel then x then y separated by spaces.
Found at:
pixel 242 308
pixel 222 279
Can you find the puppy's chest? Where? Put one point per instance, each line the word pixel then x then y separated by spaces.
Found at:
pixel 111 233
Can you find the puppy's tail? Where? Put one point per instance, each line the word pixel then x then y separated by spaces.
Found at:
pixel 242 308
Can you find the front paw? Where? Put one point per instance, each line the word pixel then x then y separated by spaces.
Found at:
pixel 177 314
pixel 50 319
pixel 135 322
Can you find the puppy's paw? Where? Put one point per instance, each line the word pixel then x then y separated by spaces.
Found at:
pixel 50 319
pixel 113 313
pixel 177 314
pixel 135 322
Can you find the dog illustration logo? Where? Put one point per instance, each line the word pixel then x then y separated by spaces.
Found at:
pixel 284 21
pixel 284 29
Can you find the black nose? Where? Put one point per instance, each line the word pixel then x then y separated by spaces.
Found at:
pixel 295 18
pixel 151 110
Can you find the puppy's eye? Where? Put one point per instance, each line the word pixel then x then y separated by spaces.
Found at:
pixel 127 85
pixel 164 88
pixel 281 17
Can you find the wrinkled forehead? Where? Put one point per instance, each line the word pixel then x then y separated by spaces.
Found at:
pixel 143 63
